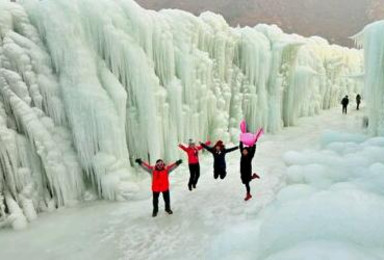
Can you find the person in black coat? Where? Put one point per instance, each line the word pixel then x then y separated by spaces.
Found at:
pixel 358 101
pixel 344 103
pixel 247 154
pixel 219 151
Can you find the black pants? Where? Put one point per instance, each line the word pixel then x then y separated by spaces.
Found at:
pixel 344 109
pixel 247 187
pixel 222 172
pixel 358 105
pixel 166 198
pixel 194 171
pixel 246 178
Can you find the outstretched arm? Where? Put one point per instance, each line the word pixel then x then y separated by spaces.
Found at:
pixel 231 149
pixel 173 166
pixel 200 147
pixel 206 147
pixel 146 167
pixel 183 147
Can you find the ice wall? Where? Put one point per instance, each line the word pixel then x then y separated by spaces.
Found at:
pixel 87 86
pixel 371 38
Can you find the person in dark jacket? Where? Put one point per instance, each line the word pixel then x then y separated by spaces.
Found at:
pixel 358 101
pixel 344 103
pixel 219 151
pixel 193 162
pixel 160 182
pixel 247 154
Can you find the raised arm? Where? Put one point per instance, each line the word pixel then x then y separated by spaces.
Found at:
pixel 231 149
pixel 183 147
pixel 173 166
pixel 200 147
pixel 146 167
pixel 206 147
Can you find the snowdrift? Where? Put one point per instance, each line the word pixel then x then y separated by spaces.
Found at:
pixel 331 208
pixel 87 86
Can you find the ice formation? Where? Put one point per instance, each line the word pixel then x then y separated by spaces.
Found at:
pixel 87 86
pixel 371 38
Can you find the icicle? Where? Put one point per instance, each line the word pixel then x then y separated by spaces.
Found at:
pixel 371 38
pixel 86 87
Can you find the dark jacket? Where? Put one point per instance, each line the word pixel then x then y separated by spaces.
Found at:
pixel 345 101
pixel 246 161
pixel 358 99
pixel 219 157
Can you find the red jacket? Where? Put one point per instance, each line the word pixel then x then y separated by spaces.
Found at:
pixel 160 182
pixel 193 153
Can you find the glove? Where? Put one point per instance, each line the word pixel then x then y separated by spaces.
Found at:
pixel 139 161
pixel 178 162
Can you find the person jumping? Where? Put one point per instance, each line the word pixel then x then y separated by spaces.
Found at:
pixel 219 151
pixel 160 182
pixel 247 154
pixel 193 162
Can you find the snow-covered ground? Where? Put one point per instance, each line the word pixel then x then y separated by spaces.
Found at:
pixel 211 222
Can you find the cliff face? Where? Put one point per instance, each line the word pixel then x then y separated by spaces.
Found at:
pixel 334 20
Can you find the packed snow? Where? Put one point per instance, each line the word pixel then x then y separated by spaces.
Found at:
pixel 319 197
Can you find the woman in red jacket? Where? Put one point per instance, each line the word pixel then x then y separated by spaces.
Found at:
pixel 193 162
pixel 160 182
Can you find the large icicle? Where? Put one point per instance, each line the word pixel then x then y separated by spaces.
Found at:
pixel 88 86
pixel 372 39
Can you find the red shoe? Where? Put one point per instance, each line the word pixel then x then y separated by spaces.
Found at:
pixel 254 176
pixel 248 197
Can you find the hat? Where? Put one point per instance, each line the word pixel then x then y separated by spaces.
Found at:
pixel 219 143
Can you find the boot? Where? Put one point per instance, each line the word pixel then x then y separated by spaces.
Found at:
pixel 254 176
pixel 248 197
pixel 169 211
pixel 190 186
pixel 154 213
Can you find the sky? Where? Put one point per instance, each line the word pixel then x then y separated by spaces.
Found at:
pixel 335 20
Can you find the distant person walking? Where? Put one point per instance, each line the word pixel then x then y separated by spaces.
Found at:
pixel 358 101
pixel 344 103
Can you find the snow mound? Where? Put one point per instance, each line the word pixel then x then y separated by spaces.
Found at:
pixel 331 208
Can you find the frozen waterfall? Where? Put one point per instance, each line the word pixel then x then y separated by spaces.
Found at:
pixel 87 86
pixel 371 38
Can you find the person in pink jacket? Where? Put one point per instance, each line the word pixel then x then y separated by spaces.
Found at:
pixel 193 162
